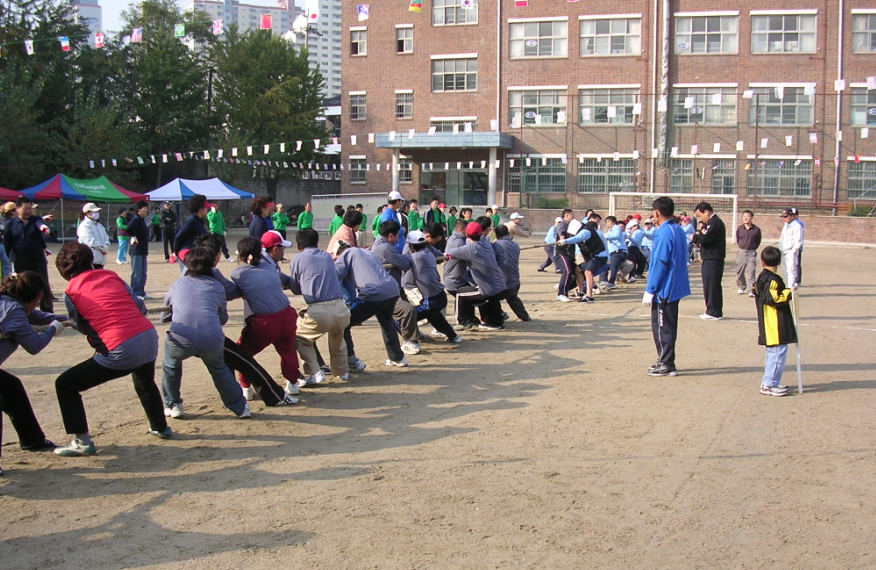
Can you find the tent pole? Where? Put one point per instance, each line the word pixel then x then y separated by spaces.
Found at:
pixel 62 220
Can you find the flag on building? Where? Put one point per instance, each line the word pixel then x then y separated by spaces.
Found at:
pixel 265 22
pixel 136 35
pixel 28 46
pixel 218 27
pixel 65 43
pixel 521 3
pixel 362 10
pixel 98 40
pixel 179 30
pixel 467 4
pixel 416 6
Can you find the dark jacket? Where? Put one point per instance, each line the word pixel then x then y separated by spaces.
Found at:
pixel 775 321
pixel 168 219
pixel 257 227
pixel 191 229
pixel 25 239
pixel 138 229
pixel 713 239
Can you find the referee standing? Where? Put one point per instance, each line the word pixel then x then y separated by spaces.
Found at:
pixel 712 240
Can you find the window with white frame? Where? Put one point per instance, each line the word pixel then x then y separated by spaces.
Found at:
pixel 459 74
pixel 543 175
pixel 453 12
pixel 864 33
pixel 863 107
pixel 681 175
pixel 604 176
pixel 446 125
pixel 609 105
pixel 613 36
pixel 404 40
pixel 404 105
pixel 405 170
pixel 862 180
pixel 359 42
pixel 537 106
pixel 706 34
pixel 783 33
pixel 358 107
pixel 723 176
pixel 781 106
pixel 357 170
pixel 781 178
pixel 705 105
pixel 539 39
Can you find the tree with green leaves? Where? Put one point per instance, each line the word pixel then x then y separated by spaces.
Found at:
pixel 265 92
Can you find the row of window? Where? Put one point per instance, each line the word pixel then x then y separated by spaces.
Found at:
pixel 775 33
pixel 620 106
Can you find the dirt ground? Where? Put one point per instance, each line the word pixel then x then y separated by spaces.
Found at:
pixel 542 446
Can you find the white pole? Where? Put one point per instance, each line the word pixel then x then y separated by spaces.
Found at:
pixel 797 328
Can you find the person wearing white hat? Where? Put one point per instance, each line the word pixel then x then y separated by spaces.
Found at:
pixel 424 276
pixel 92 233
pixel 495 216
pixel 514 228
pixel 550 250
pixel 392 211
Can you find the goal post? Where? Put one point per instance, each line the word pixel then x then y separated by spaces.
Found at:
pixel 621 204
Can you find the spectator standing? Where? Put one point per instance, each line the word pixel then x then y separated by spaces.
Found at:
pixel 124 238
pixel 337 221
pixel 139 233
pixel 91 233
pixel 280 220
pixel 514 228
pixel 168 229
pixel 392 211
pixel 414 221
pixel 712 240
pixel 25 238
pixel 216 221
pixel 258 225
pixel 192 228
pixel 748 240
pixel 305 218
pixel 156 224
pixel 791 244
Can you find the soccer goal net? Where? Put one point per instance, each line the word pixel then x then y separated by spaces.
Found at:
pixel 621 204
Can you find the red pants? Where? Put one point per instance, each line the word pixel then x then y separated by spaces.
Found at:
pixel 277 329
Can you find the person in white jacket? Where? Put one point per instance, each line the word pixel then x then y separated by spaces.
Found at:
pixel 791 244
pixel 91 233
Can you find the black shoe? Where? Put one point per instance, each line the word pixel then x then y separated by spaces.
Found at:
pixel 526 319
pixel 44 445
pixel 586 299
pixel 541 270
pixel 663 370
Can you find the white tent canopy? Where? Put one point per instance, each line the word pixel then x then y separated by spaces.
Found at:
pixel 181 189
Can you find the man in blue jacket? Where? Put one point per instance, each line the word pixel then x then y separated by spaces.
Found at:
pixel 667 284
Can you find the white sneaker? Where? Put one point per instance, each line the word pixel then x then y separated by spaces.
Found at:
pixel 456 340
pixel 291 388
pixel 317 378
pixel 249 394
pixel 706 317
pixel 411 347
pixel 345 377
pixel 175 411
pixel 607 287
pixel 400 363
pixel 562 299
pixel 358 367
pixel 437 334
pixel 245 415
pixel 229 259
pixel 740 292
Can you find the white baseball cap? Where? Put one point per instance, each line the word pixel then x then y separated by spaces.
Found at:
pixel 495 207
pixel 558 220
pixel 90 207
pixel 516 216
pixel 416 237
pixel 393 196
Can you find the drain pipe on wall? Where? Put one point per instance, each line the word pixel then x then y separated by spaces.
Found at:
pixel 491 190
pixel 652 185
pixel 839 109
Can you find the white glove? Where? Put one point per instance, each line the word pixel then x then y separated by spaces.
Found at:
pixel 647 299
pixel 59 327
pixel 134 240
pixel 562 241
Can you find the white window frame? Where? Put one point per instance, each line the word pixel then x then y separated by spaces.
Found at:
pixel 622 108
pixel 545 114
pixel 632 47
pixel 681 175
pixel 404 33
pixel 442 8
pixel 786 180
pixel 606 175
pixel 445 124
pixel 864 31
pixel 358 42
pixel 405 170
pixel 361 105
pixel 862 103
pixel 357 175
pixel 724 176
pixel 702 99
pixel 545 176
pixel 445 59
pixel 404 99
pixel 693 25
pixel 530 35
pixel 863 181
pixel 768 16
pixel 774 105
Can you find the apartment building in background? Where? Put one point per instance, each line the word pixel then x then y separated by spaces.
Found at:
pixel 90 14
pixel 564 102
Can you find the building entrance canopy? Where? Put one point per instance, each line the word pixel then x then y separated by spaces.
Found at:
pixel 484 140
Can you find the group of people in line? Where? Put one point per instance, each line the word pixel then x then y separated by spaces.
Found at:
pixel 396 281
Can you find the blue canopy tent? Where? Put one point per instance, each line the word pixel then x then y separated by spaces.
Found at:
pixel 180 189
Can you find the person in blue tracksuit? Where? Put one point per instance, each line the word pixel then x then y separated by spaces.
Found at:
pixel 667 284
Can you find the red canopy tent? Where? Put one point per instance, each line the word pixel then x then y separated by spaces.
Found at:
pixel 7 195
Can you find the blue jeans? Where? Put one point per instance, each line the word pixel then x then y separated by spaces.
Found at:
pixel 123 250
pixel 774 365
pixel 138 275
pixel 228 388
pixel 617 259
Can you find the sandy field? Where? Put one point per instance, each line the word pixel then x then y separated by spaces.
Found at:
pixel 542 446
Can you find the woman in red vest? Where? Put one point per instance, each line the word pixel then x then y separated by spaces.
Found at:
pixel 106 311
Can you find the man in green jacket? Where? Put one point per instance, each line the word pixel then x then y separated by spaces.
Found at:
pixel 280 220
pixel 305 218
pixel 337 221
pixel 216 221
pixel 414 221
pixel 375 223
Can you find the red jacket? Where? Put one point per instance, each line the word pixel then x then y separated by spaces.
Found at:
pixel 102 299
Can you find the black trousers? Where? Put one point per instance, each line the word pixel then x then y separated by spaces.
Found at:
pixel 239 360
pixel 89 374
pixel 361 311
pixel 156 233
pixel 467 298
pixel 437 304
pixel 167 235
pixel 713 271
pixel 635 255
pixel 567 272
pixel 515 303
pixel 225 244
pixel 40 265
pixel 617 259
pixel 664 328
pixel 15 404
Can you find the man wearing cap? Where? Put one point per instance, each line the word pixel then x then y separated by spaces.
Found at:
pixel 635 235
pixel 404 312
pixel 489 284
pixel 168 229
pixel 424 276
pixel 712 240
pixel 495 217
pixel 748 240
pixel 312 275
pixel 25 238
pixel 191 228
pixel 550 250
pixel 791 244
pixel 393 212
pixel 508 260
pixel 455 270
pixel 216 221
pixel 514 228
pixel 93 234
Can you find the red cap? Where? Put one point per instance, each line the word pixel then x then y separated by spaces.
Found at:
pixel 473 230
pixel 273 239
pixel 208 205
pixel 637 216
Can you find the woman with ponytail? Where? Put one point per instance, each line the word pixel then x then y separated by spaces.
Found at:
pixel 269 317
pixel 106 311
pixel 20 295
